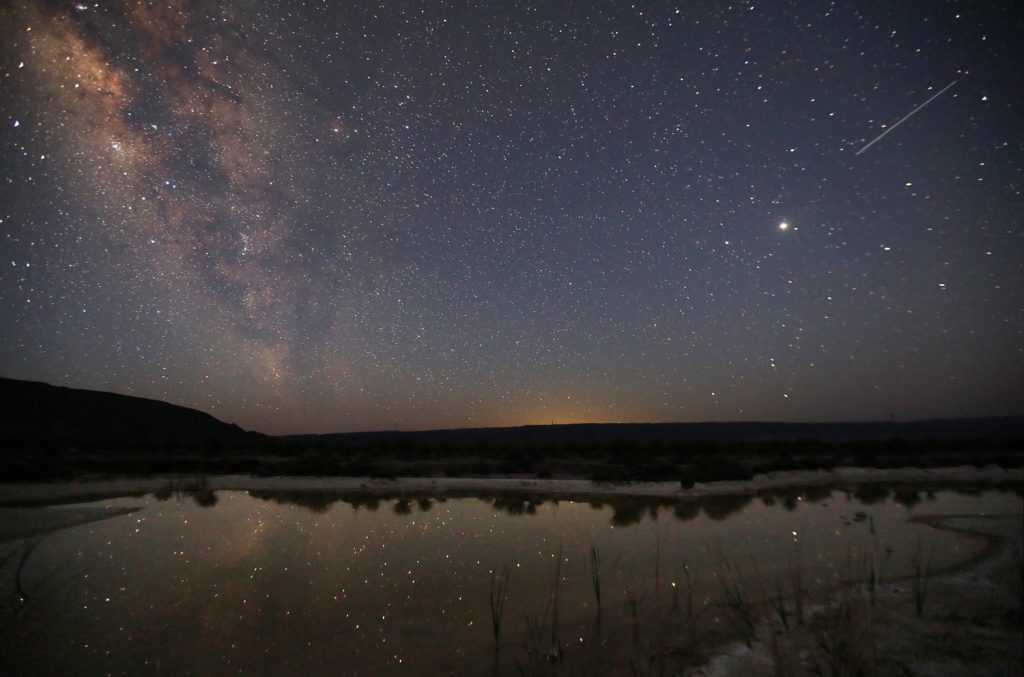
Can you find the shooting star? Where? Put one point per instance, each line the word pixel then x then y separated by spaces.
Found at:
pixel 904 118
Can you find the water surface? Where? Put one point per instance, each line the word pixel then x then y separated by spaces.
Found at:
pixel 287 583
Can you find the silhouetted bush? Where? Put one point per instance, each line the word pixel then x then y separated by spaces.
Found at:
pixel 310 463
pixel 720 469
pixel 383 471
pixel 653 472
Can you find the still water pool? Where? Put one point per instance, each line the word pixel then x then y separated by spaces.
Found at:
pixel 278 582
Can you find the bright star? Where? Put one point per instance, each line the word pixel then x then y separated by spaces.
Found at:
pixel 783 226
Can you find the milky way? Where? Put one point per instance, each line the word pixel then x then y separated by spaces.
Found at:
pixel 343 216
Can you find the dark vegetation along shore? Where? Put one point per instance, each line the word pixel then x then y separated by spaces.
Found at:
pixel 52 432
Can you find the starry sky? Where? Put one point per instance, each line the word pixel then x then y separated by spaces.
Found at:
pixel 323 216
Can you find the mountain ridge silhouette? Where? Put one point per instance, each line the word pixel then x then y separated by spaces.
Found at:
pixel 33 412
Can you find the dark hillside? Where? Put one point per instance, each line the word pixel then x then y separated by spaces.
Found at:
pixel 37 415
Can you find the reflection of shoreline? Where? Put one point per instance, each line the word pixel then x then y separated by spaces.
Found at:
pixel 862 480
pixel 18 523
pixel 626 510
pixel 993 542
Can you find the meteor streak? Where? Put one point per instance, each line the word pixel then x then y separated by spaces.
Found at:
pixel 904 118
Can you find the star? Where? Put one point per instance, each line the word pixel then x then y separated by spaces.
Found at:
pixel 343 229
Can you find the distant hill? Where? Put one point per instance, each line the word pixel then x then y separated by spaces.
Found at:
pixel 34 415
pixel 1007 427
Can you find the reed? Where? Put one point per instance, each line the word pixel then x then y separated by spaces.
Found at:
pixel 782 660
pixel 633 599
pixel 555 595
pixel 497 597
pixel 542 658
pixel 795 567
pixel 689 577
pixel 920 563
pixel 659 619
pixel 843 640
pixel 543 646
pixel 778 603
pixel 874 578
pixel 736 597
pixel 775 598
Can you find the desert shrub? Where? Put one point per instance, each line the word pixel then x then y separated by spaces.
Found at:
pixel 38 468
pixel 622 452
pixel 310 463
pixel 656 471
pixel 357 468
pixel 723 469
pixel 680 452
pixel 407 450
pixel 461 469
pixel 383 471
pixel 265 469
pixel 1008 460
pixel 513 467
pixel 519 462
pixel 610 474
pixel 290 449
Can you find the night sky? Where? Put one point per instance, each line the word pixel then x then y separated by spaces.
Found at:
pixel 327 216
